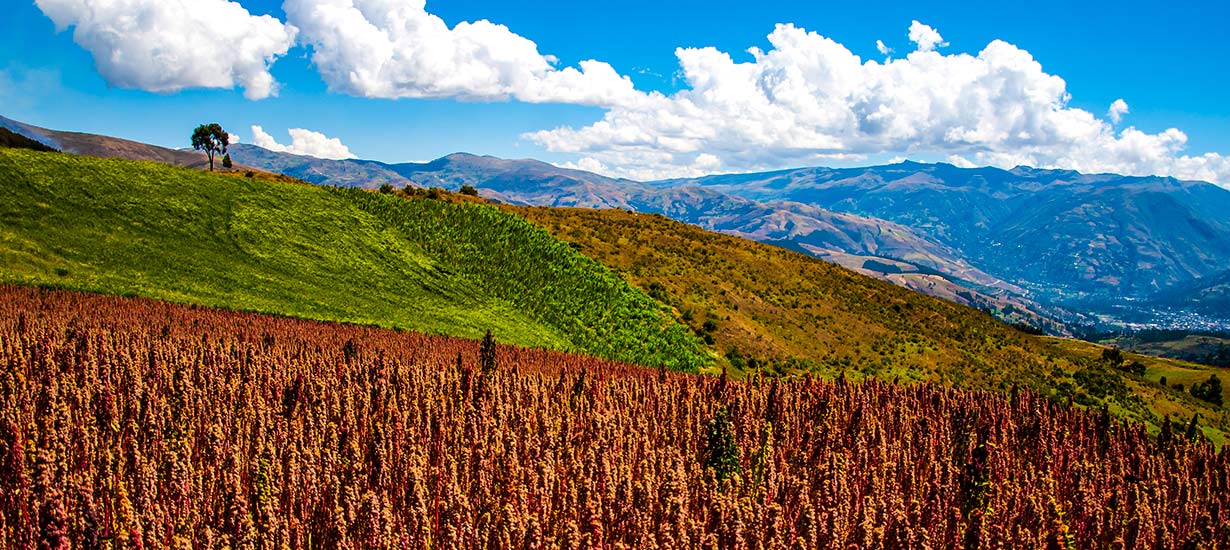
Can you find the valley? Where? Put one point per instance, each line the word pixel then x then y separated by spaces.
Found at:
pixel 420 275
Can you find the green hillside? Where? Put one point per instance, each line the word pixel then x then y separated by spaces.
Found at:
pixel 153 230
pixel 770 309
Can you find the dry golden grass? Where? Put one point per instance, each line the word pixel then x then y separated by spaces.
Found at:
pixel 777 310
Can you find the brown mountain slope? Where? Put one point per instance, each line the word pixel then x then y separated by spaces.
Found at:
pixel 1061 234
pixel 769 308
pixel 112 147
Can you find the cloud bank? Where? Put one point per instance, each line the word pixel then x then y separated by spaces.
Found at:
pixel 810 100
pixel 168 45
pixel 303 142
pixel 807 100
pixel 395 49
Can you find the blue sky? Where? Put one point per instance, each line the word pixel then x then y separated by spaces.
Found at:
pixel 1164 60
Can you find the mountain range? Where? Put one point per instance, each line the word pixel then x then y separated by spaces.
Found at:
pixel 1059 233
pixel 1031 245
pixel 1021 240
pixel 876 247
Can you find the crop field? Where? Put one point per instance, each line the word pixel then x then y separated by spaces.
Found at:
pixel 131 423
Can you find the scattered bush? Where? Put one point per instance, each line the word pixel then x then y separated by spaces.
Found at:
pixel 1112 356
pixel 487 354
pixel 1027 328
pixel 1137 368
pixel 1100 382
pixel 720 449
pixel 1209 390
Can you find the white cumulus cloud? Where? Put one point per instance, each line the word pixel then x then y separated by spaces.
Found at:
pixel 1117 110
pixel 396 49
pixel 927 38
pixel 303 142
pixel 168 45
pixel 809 100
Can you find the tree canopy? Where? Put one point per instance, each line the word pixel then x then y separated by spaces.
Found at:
pixel 1209 390
pixel 212 139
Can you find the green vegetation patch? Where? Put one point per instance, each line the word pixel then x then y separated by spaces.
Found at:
pixel 153 230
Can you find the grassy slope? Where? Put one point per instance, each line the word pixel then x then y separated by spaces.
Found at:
pixel 794 312
pixel 1196 348
pixel 1166 400
pixel 153 230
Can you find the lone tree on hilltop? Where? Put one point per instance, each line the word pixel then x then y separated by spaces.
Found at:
pixel 211 139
